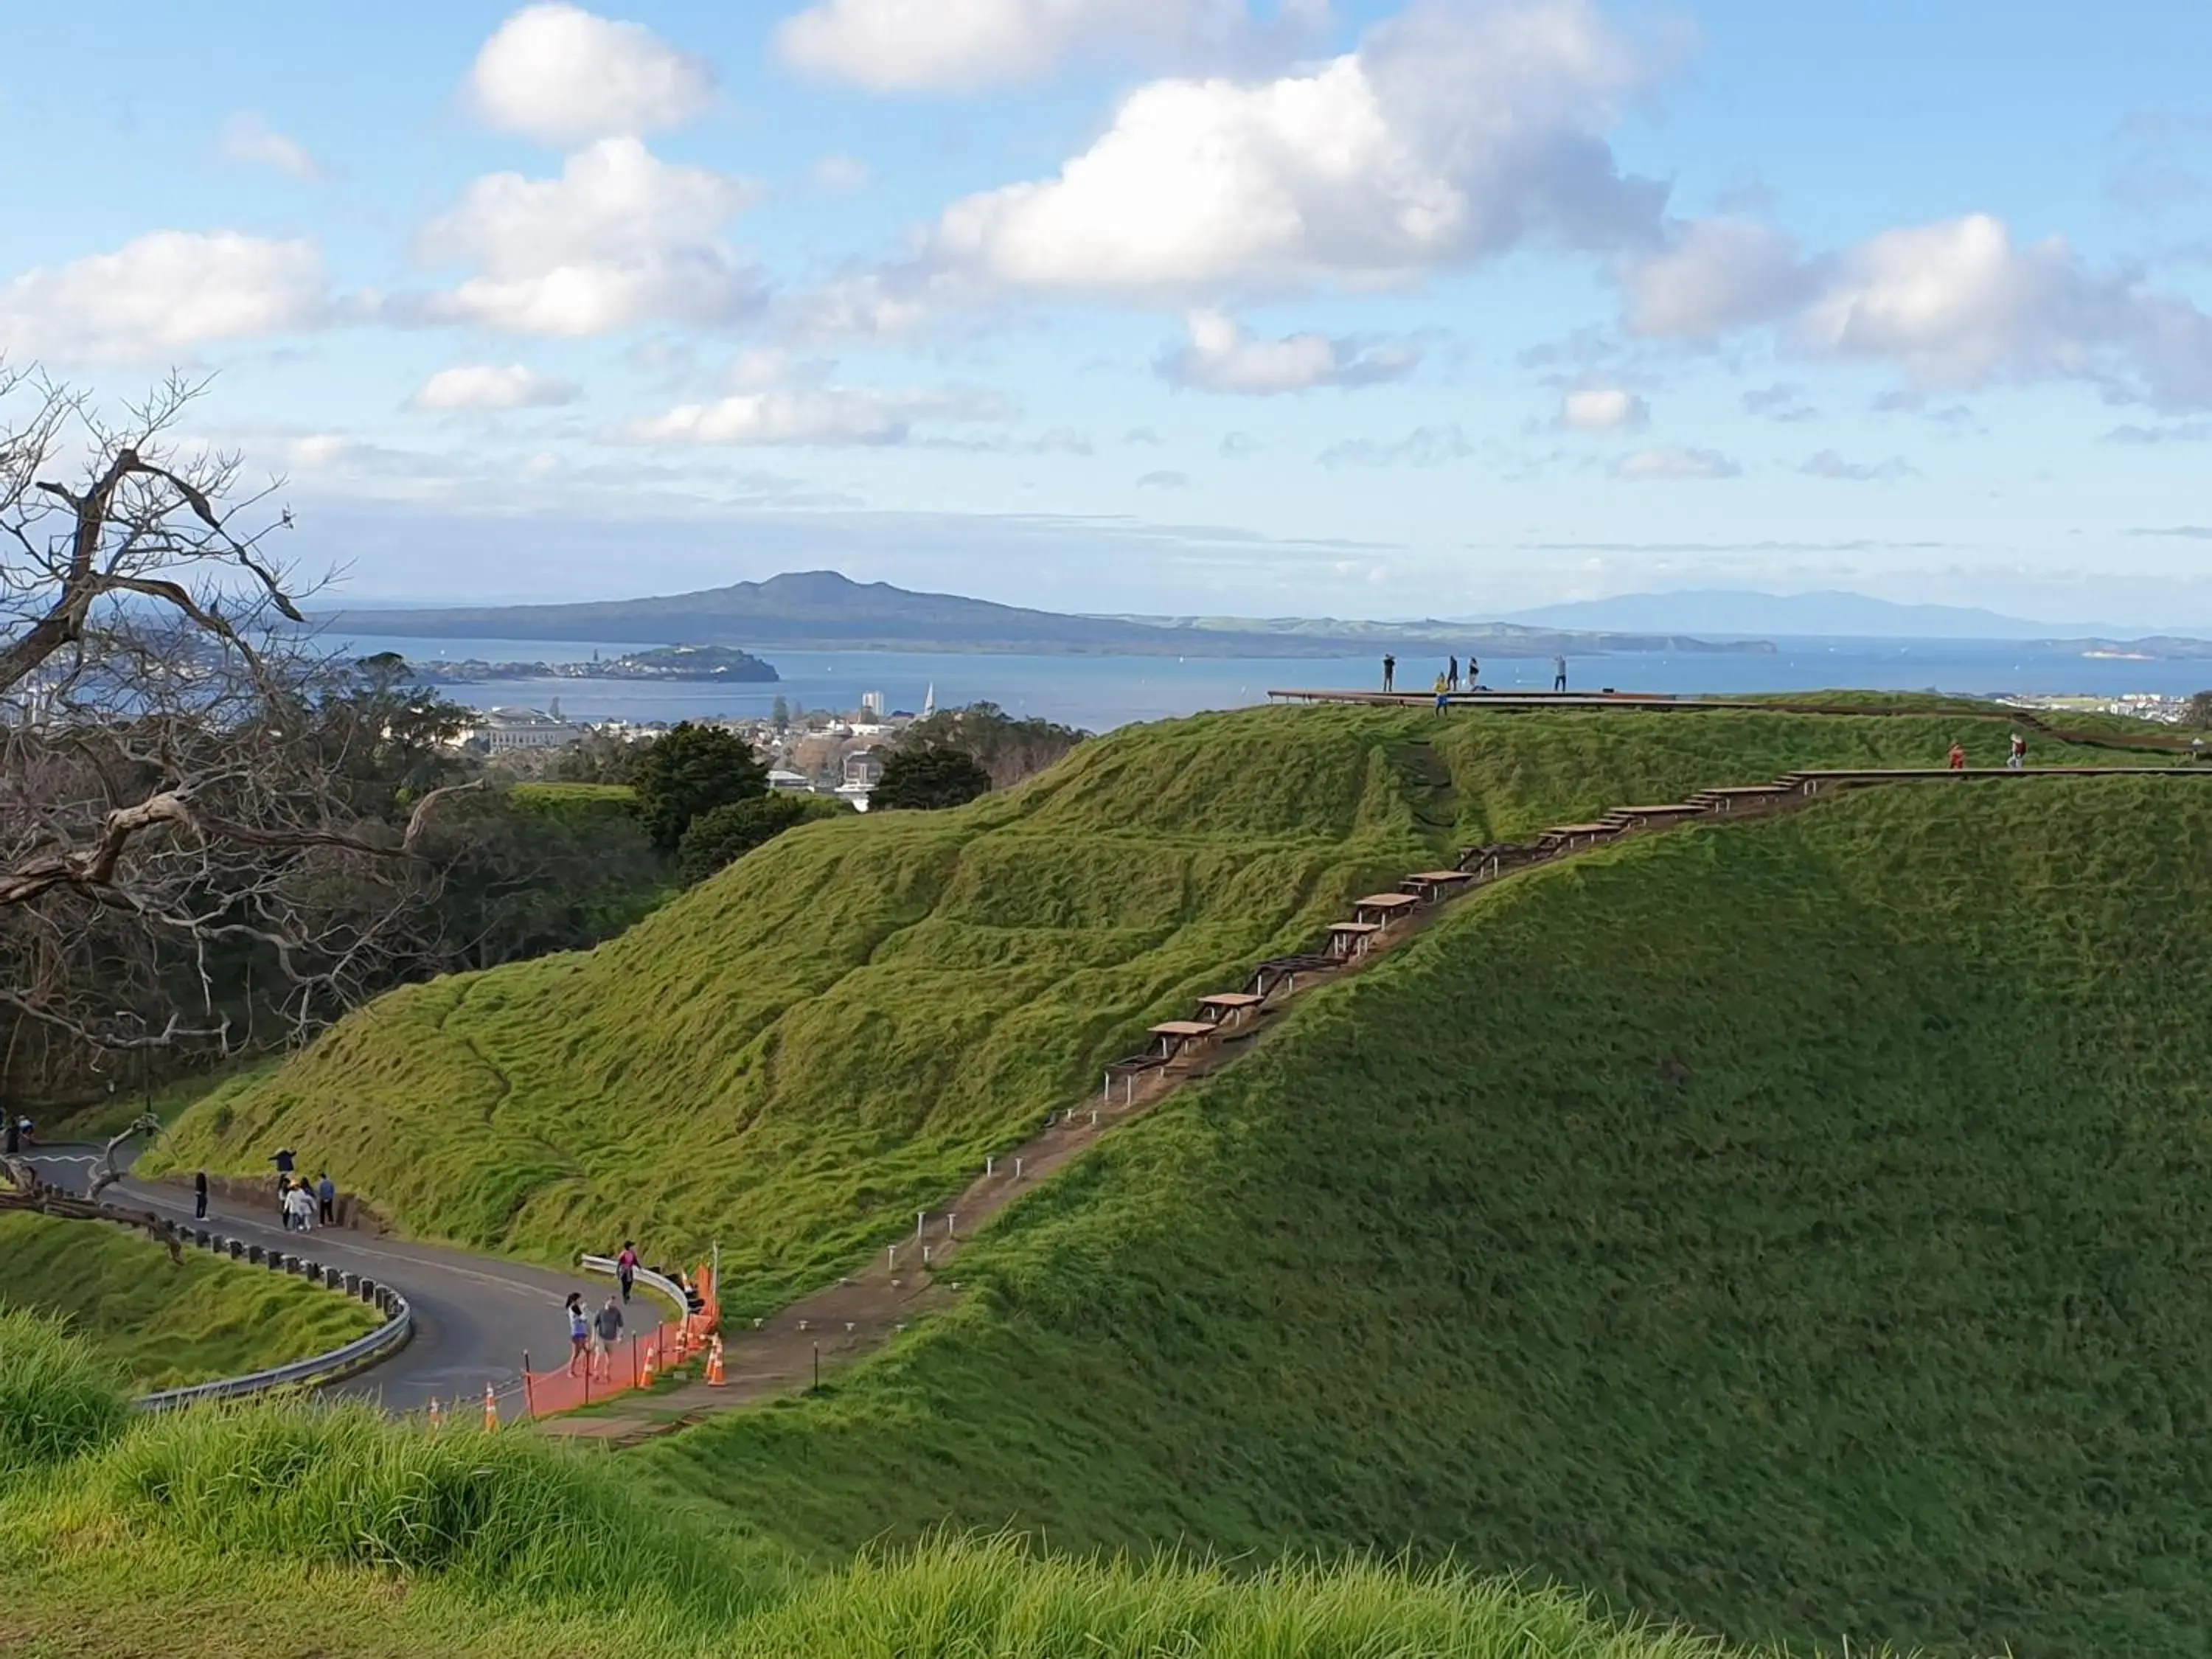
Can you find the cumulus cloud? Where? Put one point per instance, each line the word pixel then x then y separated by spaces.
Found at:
pixel 1424 445
pixel 1956 305
pixel 1221 357
pixel 250 141
pixel 1670 463
pixel 620 238
pixel 562 75
pixel 491 385
pixel 162 296
pixel 1455 131
pixel 1714 276
pixel 1604 409
pixel 966 45
pixel 1829 464
pixel 2185 432
pixel 778 402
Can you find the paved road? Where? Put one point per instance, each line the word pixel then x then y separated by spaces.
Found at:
pixel 474 1315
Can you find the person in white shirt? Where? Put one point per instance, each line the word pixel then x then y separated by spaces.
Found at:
pixel 300 1202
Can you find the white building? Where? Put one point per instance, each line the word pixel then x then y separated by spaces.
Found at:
pixel 871 702
pixel 505 729
pixel 789 782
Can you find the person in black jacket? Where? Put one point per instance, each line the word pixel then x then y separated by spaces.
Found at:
pixel 200 1196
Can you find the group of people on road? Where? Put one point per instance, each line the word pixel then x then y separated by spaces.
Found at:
pixel 301 1204
pixel 1448 680
pixel 592 1336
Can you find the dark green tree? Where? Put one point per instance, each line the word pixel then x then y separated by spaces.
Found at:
pixel 2198 715
pixel 929 777
pixel 726 834
pixel 694 769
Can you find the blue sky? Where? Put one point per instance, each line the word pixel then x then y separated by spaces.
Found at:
pixel 1452 306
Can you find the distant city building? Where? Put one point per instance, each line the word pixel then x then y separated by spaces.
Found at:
pixel 929 701
pixel 789 782
pixel 505 730
pixel 871 702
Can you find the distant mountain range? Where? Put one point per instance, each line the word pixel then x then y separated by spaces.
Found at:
pixel 1731 611
pixel 823 611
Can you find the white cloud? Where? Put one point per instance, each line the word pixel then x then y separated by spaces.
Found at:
pixel 620 238
pixel 782 403
pixel 1455 131
pixel 162 296
pixel 1955 305
pixel 1714 276
pixel 840 175
pixel 1604 409
pixel 965 45
pixel 559 74
pixel 250 141
pixel 1829 464
pixel 490 385
pixel 1424 445
pixel 1221 357
pixel 1670 462
pixel 1164 479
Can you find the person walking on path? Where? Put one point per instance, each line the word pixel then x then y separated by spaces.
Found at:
pixel 281 1158
pixel 1389 672
pixel 1958 758
pixel 2017 759
pixel 580 1334
pixel 326 1199
pixel 1443 694
pixel 1558 673
pixel 200 1196
pixel 301 1203
pixel 606 1326
pixel 626 1268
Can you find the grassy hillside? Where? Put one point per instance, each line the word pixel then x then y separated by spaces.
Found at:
pixel 834 1030
pixel 230 1532
pixel 166 1323
pixel 1797 1228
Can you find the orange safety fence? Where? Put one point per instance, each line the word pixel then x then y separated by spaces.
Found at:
pixel 632 1361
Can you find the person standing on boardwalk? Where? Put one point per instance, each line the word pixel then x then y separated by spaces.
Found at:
pixel 200 1196
pixel 626 1268
pixel 1473 672
pixel 2017 759
pixel 1389 671
pixel 1558 673
pixel 1958 757
pixel 1452 674
pixel 580 1334
pixel 326 1199
pixel 606 1328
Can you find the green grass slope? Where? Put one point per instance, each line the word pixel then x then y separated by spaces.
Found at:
pixel 165 1324
pixel 835 1030
pixel 1891 1318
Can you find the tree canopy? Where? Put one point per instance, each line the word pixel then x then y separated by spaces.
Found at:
pixel 929 777
pixel 691 770
pixel 725 834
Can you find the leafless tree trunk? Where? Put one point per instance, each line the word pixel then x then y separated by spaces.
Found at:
pixel 167 808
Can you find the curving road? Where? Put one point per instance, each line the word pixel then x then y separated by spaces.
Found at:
pixel 474 1315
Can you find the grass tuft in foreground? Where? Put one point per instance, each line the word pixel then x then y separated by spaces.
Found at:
pixel 59 1397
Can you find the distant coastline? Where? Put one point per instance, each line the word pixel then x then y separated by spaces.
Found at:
pixel 710 664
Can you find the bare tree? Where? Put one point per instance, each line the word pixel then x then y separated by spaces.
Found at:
pixel 171 811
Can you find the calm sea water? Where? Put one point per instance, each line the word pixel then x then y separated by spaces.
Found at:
pixel 1103 692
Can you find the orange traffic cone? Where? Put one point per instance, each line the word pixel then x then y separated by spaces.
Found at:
pixel 644 1373
pixel 715 1362
pixel 679 1348
pixel 491 1410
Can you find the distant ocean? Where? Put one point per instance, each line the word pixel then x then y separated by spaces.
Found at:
pixel 1101 693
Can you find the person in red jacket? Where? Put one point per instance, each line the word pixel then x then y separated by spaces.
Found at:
pixel 1958 757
